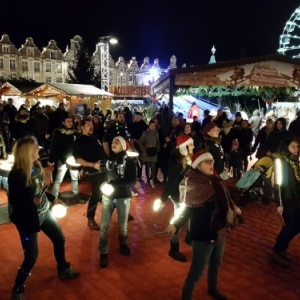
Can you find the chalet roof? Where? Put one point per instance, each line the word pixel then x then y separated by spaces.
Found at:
pixel 75 89
pixel 239 62
pixel 22 87
pixel 197 75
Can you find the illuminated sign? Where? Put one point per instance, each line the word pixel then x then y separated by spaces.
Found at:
pixel 130 91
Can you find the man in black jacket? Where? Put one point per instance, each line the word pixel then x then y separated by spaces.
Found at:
pixel 88 152
pixel 61 149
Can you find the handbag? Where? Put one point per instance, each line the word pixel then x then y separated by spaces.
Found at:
pixel 151 151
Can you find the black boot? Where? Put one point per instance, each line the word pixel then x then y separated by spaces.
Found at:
pixel 124 249
pixel 175 254
pixel 103 260
pixel 17 293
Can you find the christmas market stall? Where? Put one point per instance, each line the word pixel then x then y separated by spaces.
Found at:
pixel 79 98
pixel 17 91
pixel 270 79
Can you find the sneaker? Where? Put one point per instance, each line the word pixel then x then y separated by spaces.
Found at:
pixel 68 274
pixel 152 184
pixel 217 295
pixel 77 199
pixel 103 263
pixel 124 249
pixel 93 225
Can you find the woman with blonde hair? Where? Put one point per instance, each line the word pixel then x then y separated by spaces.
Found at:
pixel 29 210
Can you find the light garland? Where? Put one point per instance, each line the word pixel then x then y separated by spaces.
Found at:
pixel 288 39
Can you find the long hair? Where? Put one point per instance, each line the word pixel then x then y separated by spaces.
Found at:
pixel 22 157
pixel 284 145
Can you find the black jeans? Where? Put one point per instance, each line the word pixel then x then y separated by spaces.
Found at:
pixel 95 180
pixel 291 213
pixel 51 228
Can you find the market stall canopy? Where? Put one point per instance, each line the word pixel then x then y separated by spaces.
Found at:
pixel 17 88
pixel 69 89
pixel 274 70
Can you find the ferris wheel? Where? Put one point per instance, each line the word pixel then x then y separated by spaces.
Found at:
pixel 289 42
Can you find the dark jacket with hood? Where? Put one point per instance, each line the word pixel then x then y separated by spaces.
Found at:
pixel 62 144
pixel 23 126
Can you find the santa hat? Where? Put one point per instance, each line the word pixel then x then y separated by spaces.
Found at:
pixel 235 142
pixel 208 127
pixel 198 157
pixel 182 142
pixel 124 143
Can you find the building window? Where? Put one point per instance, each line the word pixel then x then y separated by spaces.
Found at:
pixel 52 55
pixel 5 49
pixel 12 64
pixel 58 69
pixel 24 65
pixel 48 67
pixel 36 66
pixel 29 52
pixel 13 75
pixel 48 79
pixel 37 79
pixel 1 62
pixel 59 80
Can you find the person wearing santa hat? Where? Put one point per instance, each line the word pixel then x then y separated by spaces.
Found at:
pixel 180 160
pixel 207 203
pixel 116 193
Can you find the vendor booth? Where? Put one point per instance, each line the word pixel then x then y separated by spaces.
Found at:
pixel 249 75
pixel 79 98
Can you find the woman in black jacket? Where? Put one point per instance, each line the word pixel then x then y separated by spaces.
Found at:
pixel 179 163
pixel 29 211
pixel 120 176
pixel 289 207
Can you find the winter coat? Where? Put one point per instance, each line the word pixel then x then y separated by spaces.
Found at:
pixel 149 139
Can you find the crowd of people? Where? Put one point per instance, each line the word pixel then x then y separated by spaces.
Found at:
pixel 190 161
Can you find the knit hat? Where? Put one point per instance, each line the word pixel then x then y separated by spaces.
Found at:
pixel 208 127
pixel 182 142
pixel 238 114
pixel 198 157
pixel 22 107
pixel 124 143
pixel 235 142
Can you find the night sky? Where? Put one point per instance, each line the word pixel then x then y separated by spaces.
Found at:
pixel 154 28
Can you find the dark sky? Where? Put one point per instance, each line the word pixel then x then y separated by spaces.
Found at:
pixel 154 28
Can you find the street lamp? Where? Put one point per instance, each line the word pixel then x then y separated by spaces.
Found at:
pixel 104 59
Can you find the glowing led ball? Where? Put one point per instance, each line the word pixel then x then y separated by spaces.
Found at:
pixel 59 210
pixel 106 189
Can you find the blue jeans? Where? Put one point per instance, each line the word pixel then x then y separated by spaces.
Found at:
pixel 108 205
pixel 51 228
pixel 61 172
pixel 204 253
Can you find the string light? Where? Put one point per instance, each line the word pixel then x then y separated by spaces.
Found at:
pixel 289 39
